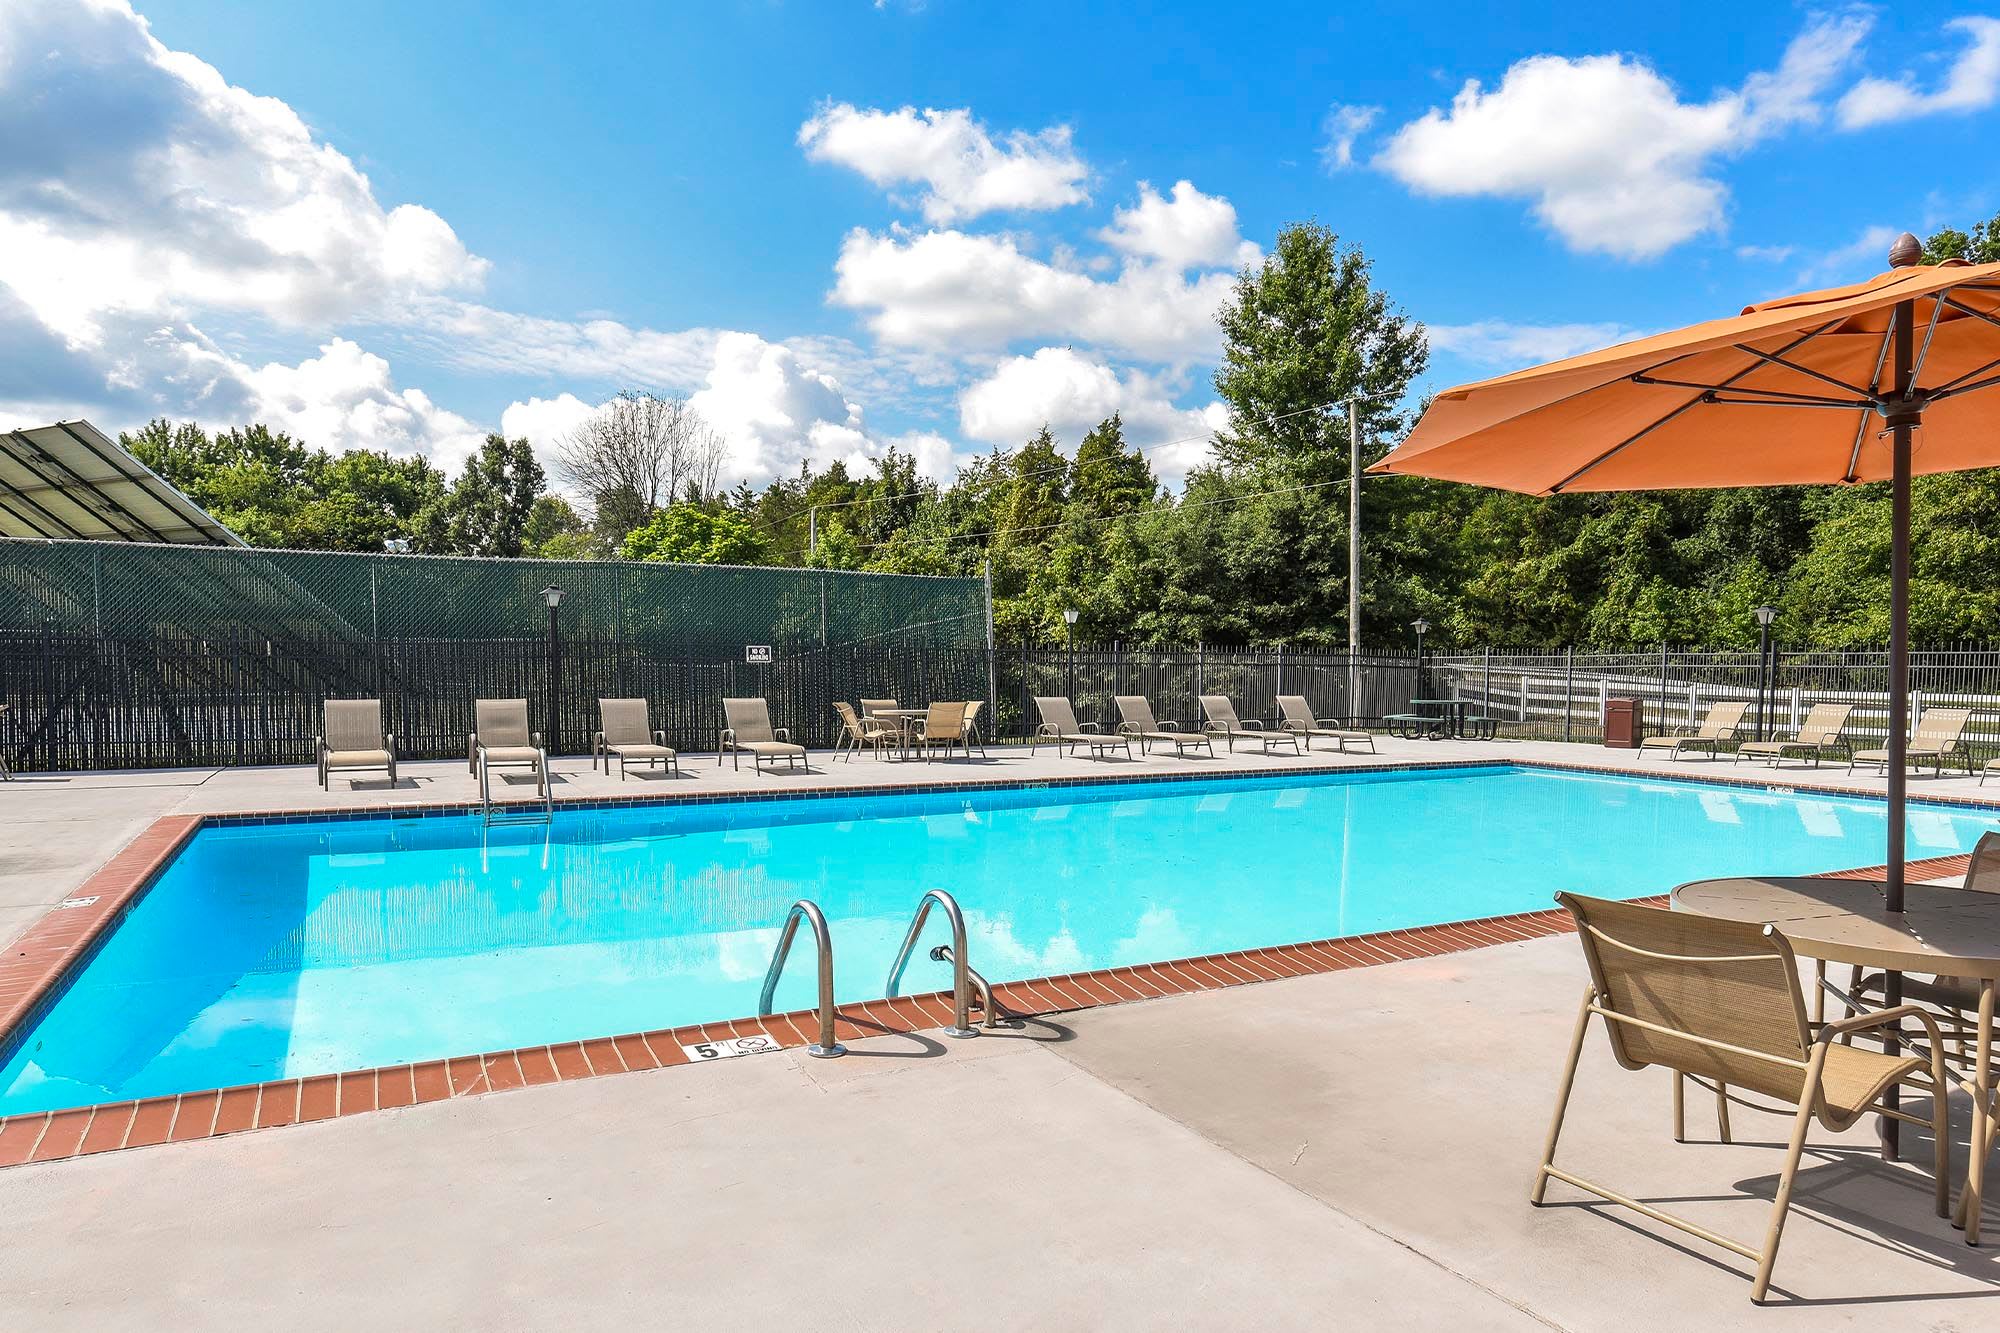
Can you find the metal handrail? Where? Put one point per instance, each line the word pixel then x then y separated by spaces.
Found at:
pixel 826 1047
pixel 992 1016
pixel 961 988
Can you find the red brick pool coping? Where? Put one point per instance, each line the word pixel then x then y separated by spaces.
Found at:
pixel 36 965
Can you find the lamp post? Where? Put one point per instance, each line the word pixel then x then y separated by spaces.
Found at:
pixel 1069 638
pixel 1421 626
pixel 1765 615
pixel 552 598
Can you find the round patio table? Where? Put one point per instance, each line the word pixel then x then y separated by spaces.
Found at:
pixel 903 718
pixel 1941 932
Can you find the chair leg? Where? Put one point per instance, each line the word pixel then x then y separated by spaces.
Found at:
pixel 1781 1205
pixel 1562 1098
pixel 1680 1107
pixel 1722 1111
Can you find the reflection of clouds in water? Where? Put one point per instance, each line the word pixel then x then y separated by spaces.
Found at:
pixel 1821 819
pixel 1213 804
pixel 1719 808
pixel 744 955
pixel 994 938
pixel 1159 935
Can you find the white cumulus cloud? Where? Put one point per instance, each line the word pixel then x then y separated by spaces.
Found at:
pixel 1611 156
pixel 1071 393
pixel 1187 230
pixel 963 170
pixel 1970 84
pixel 1342 126
pixel 1503 344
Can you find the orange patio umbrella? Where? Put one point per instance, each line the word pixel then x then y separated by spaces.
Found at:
pixel 1864 383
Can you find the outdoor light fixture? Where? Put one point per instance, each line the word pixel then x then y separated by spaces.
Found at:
pixel 1069 618
pixel 1421 626
pixel 552 710
pixel 396 545
pixel 1767 667
pixel 552 596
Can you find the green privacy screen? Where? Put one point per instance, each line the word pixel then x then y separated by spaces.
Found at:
pixel 124 591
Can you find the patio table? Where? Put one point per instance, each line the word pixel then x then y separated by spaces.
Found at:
pixel 1940 932
pixel 903 718
pixel 1450 720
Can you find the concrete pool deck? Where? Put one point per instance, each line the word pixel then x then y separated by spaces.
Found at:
pixel 1249 1158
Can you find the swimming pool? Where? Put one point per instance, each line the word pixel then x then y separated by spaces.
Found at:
pixel 282 950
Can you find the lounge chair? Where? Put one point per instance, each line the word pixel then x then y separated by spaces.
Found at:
pixel 353 740
pixel 943 724
pixel 1298 716
pixel 1823 730
pixel 863 733
pixel 1723 723
pixel 1059 724
pixel 747 729
pixel 1719 1002
pixel 1222 721
pixel 1135 719
pixel 1938 736
pixel 628 733
pixel 501 739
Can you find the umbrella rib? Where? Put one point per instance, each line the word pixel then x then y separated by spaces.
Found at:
pixel 1648 429
pixel 1778 360
pixel 1950 386
pixel 1773 395
pixel 1923 355
pixel 1874 378
pixel 1959 305
pixel 1963 389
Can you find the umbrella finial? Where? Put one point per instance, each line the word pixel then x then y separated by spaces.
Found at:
pixel 1905 251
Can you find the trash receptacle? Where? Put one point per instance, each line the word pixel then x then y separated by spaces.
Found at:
pixel 1622 724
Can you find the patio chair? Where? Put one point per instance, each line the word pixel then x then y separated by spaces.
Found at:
pixel 870 707
pixel 1222 721
pixel 747 729
pixel 1135 719
pixel 863 733
pixel 628 733
pixel 1824 729
pixel 1059 724
pixel 353 740
pixel 1298 717
pixel 500 739
pixel 1719 1002
pixel 943 725
pixel 1938 735
pixel 1723 723
pixel 972 738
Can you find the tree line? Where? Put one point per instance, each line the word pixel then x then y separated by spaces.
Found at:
pixel 1254 547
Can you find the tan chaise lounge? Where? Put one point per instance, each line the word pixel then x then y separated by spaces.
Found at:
pixel 1938 735
pixel 1059 724
pixel 1823 730
pixel 1723 723
pixel 747 730
pixel 1222 721
pixel 1719 1002
pixel 501 739
pixel 1298 717
pixel 628 734
pixel 1135 719
pixel 354 741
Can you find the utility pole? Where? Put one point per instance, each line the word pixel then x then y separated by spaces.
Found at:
pixel 1354 550
pixel 812 532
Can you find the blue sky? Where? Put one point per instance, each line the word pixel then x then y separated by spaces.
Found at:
pixel 841 227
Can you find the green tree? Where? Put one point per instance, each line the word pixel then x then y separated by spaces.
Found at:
pixel 690 533
pixel 486 511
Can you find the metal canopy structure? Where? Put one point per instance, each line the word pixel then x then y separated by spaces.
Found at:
pixel 70 480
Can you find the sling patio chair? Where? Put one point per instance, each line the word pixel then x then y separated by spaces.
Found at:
pixel 354 741
pixel 1135 719
pixel 500 739
pixel 972 738
pixel 629 734
pixel 870 707
pixel 1719 1002
pixel 1298 717
pixel 1723 723
pixel 1222 721
pixel 1824 729
pixel 1059 724
pixel 1938 735
pixel 747 730
pixel 863 733
pixel 943 724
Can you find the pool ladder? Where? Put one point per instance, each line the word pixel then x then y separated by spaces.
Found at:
pixel 964 980
pixel 493 812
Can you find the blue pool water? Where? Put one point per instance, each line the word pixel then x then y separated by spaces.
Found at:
pixel 283 950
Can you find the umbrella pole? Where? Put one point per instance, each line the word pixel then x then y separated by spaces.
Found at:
pixel 1902 417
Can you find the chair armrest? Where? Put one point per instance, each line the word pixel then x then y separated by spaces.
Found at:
pixel 660 737
pixel 1045 729
pixel 1881 1018
pixel 471 746
pixel 389 743
pixel 1168 726
pixel 1289 725
pixel 729 735
pixel 319 745
pixel 782 733
pixel 597 744
pixel 1250 723
pixel 535 739
pixel 1088 726
pixel 1217 728
pixel 1127 729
